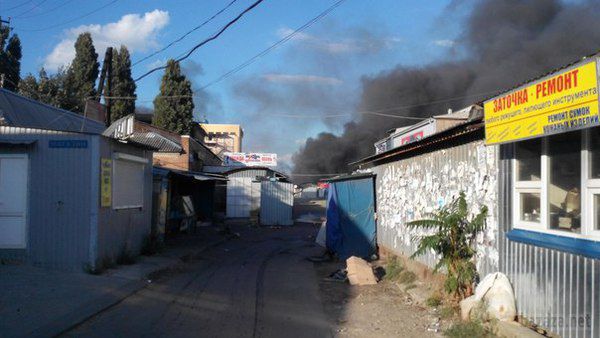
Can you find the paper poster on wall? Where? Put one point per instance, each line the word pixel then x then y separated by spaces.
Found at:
pixel 106 183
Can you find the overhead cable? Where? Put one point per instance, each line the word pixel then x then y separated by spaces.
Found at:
pixel 70 20
pixel 186 34
pixel 45 12
pixel 215 36
pixel 273 46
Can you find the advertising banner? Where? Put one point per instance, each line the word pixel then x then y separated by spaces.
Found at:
pixel 106 183
pixel 565 101
pixel 250 160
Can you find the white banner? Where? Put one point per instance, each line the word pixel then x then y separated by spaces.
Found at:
pixel 250 160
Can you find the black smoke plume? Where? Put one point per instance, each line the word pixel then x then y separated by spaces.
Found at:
pixel 505 42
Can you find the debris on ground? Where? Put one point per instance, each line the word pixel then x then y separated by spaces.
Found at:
pixel 497 294
pixel 321 238
pixel 325 257
pixel 340 275
pixel 360 272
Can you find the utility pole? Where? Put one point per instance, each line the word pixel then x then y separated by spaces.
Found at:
pixel 105 75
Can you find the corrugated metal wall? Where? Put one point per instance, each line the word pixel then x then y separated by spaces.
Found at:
pixel 408 189
pixel 124 228
pixel 557 290
pixel 58 201
pixel 243 195
pixel 276 203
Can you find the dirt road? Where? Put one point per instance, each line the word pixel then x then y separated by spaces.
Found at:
pixel 258 285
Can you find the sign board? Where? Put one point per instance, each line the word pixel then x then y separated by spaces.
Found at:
pixel 105 183
pixel 68 144
pixel 250 160
pixel 565 101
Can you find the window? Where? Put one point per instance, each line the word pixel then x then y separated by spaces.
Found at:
pixel 564 186
pixel 528 184
pixel 128 181
pixel 557 184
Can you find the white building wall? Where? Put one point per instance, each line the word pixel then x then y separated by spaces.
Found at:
pixel 410 188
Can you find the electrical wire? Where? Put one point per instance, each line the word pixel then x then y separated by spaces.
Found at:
pixel 18 6
pixel 273 46
pixel 185 35
pixel 214 37
pixel 70 20
pixel 29 10
pixel 46 12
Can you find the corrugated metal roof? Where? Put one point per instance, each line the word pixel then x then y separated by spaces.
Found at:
pixel 129 129
pixel 461 129
pixel 156 141
pixel 20 111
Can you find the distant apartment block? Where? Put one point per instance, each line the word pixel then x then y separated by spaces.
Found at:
pixel 222 138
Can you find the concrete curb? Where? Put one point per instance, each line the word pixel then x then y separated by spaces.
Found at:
pixel 515 330
pixel 101 304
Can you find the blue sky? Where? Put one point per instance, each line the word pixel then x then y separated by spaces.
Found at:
pixel 281 98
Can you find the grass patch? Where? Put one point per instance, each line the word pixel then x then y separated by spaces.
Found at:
pixel 434 301
pixel 447 312
pixel 410 286
pixel 407 277
pixel 468 330
pixel 393 268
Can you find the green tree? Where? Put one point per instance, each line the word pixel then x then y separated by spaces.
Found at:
pixel 10 58
pixel 174 106
pixel 122 84
pixel 46 89
pixel 452 236
pixel 28 87
pixel 80 82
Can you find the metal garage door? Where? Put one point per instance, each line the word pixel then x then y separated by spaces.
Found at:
pixel 13 201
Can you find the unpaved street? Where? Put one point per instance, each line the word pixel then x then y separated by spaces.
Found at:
pixel 257 285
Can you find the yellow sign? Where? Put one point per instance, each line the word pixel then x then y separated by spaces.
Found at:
pixel 106 183
pixel 557 104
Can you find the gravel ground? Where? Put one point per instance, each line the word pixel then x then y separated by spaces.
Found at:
pixel 382 310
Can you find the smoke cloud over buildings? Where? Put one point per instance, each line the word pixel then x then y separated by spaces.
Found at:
pixel 504 43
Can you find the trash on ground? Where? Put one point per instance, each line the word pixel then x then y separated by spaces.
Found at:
pixel 325 257
pixel 360 272
pixel 340 275
pixel 321 235
pixel 497 293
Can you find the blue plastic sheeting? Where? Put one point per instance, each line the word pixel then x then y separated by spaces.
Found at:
pixel 351 227
pixel 333 233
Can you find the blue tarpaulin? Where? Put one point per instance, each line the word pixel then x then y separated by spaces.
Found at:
pixel 351 227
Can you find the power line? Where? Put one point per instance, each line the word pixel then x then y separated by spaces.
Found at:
pixel 186 34
pixel 30 9
pixel 71 20
pixel 46 12
pixel 17 6
pixel 215 36
pixel 273 46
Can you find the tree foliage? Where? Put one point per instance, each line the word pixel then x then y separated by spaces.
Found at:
pixel 174 106
pixel 10 58
pixel 122 84
pixel 46 88
pixel 452 236
pixel 82 74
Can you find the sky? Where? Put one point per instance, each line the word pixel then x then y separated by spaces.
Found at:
pixel 310 84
